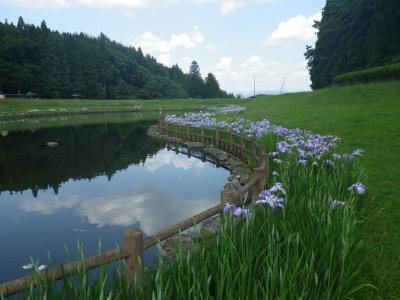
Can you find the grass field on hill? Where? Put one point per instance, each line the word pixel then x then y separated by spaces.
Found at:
pixel 364 116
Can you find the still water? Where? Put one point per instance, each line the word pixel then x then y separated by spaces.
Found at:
pixel 98 181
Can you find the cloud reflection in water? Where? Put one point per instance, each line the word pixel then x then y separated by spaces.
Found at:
pixel 153 210
pixel 170 158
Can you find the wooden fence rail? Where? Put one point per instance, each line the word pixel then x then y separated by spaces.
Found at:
pixel 134 244
pixel 230 141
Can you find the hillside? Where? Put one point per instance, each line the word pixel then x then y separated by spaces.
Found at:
pixel 366 117
pixel 354 35
pixel 49 64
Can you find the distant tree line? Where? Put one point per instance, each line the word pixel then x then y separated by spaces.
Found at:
pixel 34 59
pixel 354 35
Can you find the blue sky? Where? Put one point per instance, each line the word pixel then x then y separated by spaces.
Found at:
pixel 234 39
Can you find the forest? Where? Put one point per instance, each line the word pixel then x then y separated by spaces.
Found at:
pixel 38 62
pixel 354 35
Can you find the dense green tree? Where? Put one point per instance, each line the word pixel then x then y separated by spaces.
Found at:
pixel 211 88
pixel 160 87
pixel 58 65
pixel 176 74
pixel 195 83
pixel 354 35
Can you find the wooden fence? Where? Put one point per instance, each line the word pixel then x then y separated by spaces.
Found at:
pixel 229 141
pixel 134 244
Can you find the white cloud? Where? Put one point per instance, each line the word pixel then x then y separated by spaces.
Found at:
pixel 229 6
pixel 226 6
pixel 297 28
pixel 125 4
pixel 150 43
pixel 197 35
pixel 269 75
pixel 224 63
pixel 253 62
pixel 181 40
pixel 165 59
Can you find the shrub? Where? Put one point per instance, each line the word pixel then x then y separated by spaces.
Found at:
pixel 383 73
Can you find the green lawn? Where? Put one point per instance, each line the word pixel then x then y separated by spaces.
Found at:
pixel 367 117
pixel 364 116
pixel 15 106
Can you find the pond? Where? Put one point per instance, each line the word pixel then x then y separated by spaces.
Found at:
pixel 98 181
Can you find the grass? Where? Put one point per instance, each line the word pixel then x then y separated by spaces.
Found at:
pixel 365 116
pixel 15 106
pixel 75 119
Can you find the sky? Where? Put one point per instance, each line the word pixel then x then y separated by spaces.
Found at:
pixel 236 40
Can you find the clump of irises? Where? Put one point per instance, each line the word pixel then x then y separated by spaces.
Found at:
pixel 309 149
pixel 238 210
pixel 231 109
pixel 272 197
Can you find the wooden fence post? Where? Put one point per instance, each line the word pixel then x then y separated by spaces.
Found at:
pixel 202 136
pixel 262 172
pixel 176 131
pixel 133 244
pixel 189 134
pixel 254 152
pixel 217 141
pixel 260 183
pixel 229 196
pixel 242 146
pixel 230 142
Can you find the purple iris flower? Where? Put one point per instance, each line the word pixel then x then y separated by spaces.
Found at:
pixel 228 207
pixel 357 152
pixel 336 156
pixel 302 162
pixel 358 187
pixel 336 203
pixel 247 213
pixel 277 188
pixel 309 146
pixel 237 212
pixel 267 198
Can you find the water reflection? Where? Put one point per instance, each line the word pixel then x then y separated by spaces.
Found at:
pixel 84 152
pixel 127 210
pixel 99 180
pixel 168 158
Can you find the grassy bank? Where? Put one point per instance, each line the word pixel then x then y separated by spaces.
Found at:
pixel 16 107
pixel 366 117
